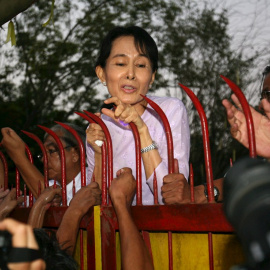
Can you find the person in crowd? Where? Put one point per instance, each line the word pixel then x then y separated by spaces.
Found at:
pixel 127 66
pixel 237 121
pixel 176 190
pixel 15 148
pixel 134 253
pixel 264 105
pixel 8 202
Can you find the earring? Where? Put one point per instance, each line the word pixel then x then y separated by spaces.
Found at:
pixel 104 83
pixel 150 85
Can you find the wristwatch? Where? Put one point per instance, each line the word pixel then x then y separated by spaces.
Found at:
pixel 150 147
pixel 216 192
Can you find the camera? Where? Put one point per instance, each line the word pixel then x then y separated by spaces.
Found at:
pixel 246 193
pixel 5 248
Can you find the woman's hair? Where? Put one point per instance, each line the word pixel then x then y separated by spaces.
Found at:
pixel 144 43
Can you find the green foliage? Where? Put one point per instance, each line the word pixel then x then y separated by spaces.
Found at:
pixel 55 64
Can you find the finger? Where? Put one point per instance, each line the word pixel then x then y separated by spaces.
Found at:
pixel 123 171
pixel 4 193
pixel 114 100
pixel 176 166
pixel 109 113
pixel 18 231
pixel 20 200
pixel 98 114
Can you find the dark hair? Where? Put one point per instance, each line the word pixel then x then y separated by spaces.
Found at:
pixel 265 72
pixel 143 42
pixel 54 257
pixel 67 136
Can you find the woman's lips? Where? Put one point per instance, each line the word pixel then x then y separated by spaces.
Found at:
pixel 128 88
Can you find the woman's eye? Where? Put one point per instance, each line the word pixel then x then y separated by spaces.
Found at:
pixel 120 64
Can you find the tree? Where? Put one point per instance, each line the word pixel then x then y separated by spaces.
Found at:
pixel 55 64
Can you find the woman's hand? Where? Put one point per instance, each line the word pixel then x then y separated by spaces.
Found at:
pixel 93 133
pixel 123 112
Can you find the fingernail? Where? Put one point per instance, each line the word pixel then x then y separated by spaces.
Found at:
pixel 123 123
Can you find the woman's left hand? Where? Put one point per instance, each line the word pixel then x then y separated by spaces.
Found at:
pixel 123 112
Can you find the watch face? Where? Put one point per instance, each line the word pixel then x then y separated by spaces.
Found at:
pixel 215 192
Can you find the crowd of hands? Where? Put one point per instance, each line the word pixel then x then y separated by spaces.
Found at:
pixel 121 191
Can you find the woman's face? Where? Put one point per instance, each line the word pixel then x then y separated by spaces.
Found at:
pixel 128 73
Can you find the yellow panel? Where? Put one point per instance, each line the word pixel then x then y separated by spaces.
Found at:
pixel 190 251
pixel 97 231
pixel 227 251
pixel 118 251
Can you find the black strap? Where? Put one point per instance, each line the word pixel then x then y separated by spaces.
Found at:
pixel 17 255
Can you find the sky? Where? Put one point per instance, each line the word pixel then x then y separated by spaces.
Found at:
pixel 249 25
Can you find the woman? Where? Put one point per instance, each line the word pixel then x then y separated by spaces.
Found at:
pixel 127 65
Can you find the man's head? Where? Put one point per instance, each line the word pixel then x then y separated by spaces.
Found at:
pixel 71 149
pixel 54 257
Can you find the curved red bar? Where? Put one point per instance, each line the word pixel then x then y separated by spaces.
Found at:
pixel 2 157
pixel 138 163
pixel 167 130
pixel 44 152
pixel 109 145
pixel 63 162
pixel 250 127
pixel 104 159
pixel 206 143
pixel 82 150
pixel 191 181
pixel 30 157
pixel 17 177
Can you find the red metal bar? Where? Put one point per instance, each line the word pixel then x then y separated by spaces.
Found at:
pixel 169 138
pixel 44 152
pixel 210 247
pixel 191 181
pixel 250 127
pixel 109 145
pixel 17 183
pixel 63 162
pixel 5 165
pixel 138 163
pixel 24 195
pixel 104 165
pixel 146 238
pixel 206 143
pixel 81 148
pixel 168 132
pixel 170 250
pixel 30 157
pixel 73 188
pixel 155 189
pixel 81 249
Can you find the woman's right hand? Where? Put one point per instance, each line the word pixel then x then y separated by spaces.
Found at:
pixel 94 132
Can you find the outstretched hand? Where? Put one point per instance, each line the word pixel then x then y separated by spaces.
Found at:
pixel 237 121
pixel 8 201
pixel 12 143
pixel 123 112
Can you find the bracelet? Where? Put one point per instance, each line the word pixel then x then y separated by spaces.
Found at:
pixel 150 147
